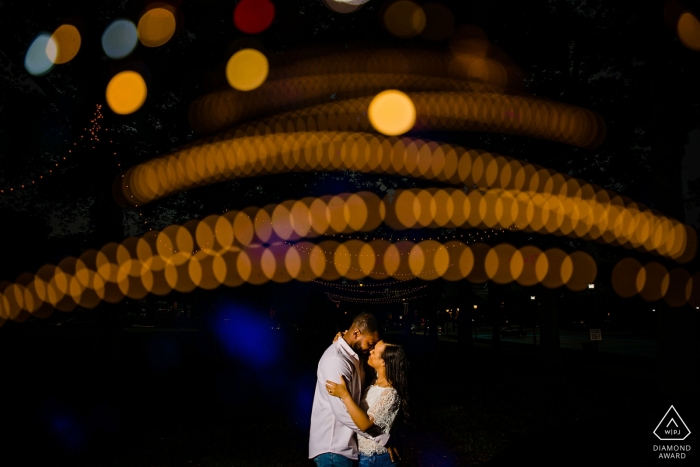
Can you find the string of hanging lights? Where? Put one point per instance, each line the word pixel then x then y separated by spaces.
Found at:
pixel 402 236
pixel 341 298
pixel 386 291
pixel 361 285
pixel 90 135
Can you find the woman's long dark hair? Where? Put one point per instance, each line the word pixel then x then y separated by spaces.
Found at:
pixel 396 367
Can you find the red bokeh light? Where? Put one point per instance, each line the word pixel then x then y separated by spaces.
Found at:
pixel 253 16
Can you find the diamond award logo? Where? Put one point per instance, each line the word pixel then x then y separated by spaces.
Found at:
pixel 671 427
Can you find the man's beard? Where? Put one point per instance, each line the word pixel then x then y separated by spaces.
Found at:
pixel 357 347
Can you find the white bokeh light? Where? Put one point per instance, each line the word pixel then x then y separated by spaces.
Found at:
pixel 119 39
pixel 41 55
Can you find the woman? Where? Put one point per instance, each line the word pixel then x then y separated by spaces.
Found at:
pixel 381 401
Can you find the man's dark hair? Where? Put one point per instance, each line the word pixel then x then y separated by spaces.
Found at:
pixel 366 323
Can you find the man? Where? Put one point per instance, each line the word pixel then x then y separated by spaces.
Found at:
pixel 332 441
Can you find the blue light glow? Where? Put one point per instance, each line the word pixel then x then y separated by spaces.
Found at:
pixel 37 61
pixel 119 39
pixel 64 426
pixel 246 336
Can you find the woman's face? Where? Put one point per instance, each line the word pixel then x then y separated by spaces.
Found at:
pixel 375 355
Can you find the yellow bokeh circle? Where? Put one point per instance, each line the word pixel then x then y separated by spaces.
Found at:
pixel 247 69
pixel 392 112
pixel 156 27
pixel 126 92
pixel 404 19
pixel 689 30
pixel 67 40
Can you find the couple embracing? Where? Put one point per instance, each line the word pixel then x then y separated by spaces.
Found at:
pixel 348 420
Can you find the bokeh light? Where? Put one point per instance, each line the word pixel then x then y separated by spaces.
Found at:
pixel 497 263
pixel 652 281
pixel 689 30
pixel 438 110
pixel 343 6
pixel 579 270
pixel 126 92
pixel 404 19
pixel 548 268
pixel 251 246
pixel 523 265
pixel 578 209
pixel 253 16
pixel 233 320
pixel 41 55
pixel 392 112
pixel 258 245
pixel 680 288
pixel 247 246
pixel 119 39
pixel 67 40
pixel 156 27
pixel 247 69
pixel 625 277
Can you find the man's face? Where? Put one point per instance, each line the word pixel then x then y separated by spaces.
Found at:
pixel 365 343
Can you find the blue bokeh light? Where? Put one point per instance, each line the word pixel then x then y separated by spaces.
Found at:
pixel 37 61
pixel 119 39
pixel 246 336
pixel 64 426
pixel 68 431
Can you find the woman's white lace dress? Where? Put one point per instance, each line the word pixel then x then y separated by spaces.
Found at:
pixel 382 404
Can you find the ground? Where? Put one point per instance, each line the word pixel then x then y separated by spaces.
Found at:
pixel 179 400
